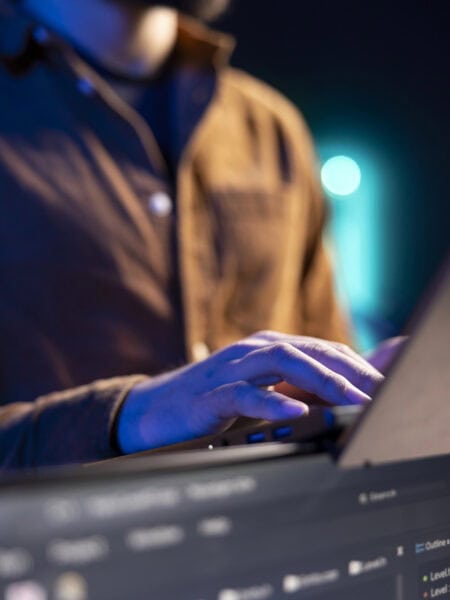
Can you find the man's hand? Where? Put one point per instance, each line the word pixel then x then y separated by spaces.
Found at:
pixel 207 397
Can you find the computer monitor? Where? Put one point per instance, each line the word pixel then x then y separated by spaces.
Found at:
pixel 238 524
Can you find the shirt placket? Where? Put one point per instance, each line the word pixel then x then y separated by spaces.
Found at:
pixel 157 193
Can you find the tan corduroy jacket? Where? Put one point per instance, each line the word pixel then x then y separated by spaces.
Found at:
pixel 109 268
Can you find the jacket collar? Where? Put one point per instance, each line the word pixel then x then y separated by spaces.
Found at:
pixel 203 45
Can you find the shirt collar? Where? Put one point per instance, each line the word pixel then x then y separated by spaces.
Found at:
pixel 203 45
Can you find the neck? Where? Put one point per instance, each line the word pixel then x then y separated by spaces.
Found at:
pixel 132 41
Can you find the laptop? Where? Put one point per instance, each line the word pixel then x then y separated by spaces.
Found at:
pixel 409 417
pixel 259 521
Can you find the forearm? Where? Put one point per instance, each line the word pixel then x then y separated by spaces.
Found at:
pixel 202 398
pixel 72 426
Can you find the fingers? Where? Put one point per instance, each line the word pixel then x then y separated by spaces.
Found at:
pixel 296 393
pixel 243 399
pixel 299 369
pixel 360 374
pixel 315 346
pixel 329 370
pixel 339 358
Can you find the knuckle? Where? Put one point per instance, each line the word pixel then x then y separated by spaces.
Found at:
pixel 333 383
pixel 265 333
pixel 366 376
pixel 321 348
pixel 320 351
pixel 312 345
pixel 325 380
pixel 371 379
pixel 325 351
pixel 343 347
pixel 235 350
pixel 245 397
pixel 241 389
pixel 340 384
pixel 243 345
pixel 279 352
pixel 266 405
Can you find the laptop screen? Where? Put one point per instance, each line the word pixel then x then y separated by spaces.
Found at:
pixel 409 417
pixel 279 527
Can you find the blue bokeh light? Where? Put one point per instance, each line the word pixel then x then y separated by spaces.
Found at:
pixel 341 175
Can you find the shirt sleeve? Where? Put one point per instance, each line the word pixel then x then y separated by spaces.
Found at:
pixel 68 427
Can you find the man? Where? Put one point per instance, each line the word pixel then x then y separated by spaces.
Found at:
pixel 157 206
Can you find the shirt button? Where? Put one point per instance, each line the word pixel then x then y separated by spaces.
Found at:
pixel 200 351
pixel 86 87
pixel 160 204
pixel 41 35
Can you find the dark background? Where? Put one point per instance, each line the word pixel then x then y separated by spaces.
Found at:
pixel 371 74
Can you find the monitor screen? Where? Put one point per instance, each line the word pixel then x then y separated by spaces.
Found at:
pixel 278 528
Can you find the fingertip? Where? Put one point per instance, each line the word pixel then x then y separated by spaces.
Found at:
pixel 294 408
pixel 358 397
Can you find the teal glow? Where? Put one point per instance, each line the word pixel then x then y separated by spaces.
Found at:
pixel 356 228
pixel 341 175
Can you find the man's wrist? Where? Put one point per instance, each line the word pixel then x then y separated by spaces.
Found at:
pixel 117 415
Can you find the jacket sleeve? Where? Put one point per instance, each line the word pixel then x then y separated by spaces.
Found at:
pixel 73 426
pixel 322 316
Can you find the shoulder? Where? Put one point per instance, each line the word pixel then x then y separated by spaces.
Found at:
pixel 277 120
pixel 264 100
